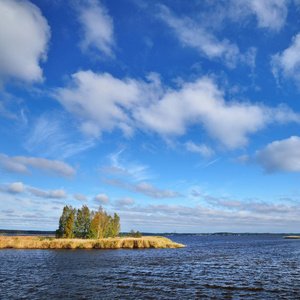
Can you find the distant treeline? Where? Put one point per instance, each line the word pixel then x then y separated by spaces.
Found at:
pixel 25 232
pixel 83 223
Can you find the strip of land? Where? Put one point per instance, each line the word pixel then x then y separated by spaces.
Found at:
pixel 39 242
pixel 292 237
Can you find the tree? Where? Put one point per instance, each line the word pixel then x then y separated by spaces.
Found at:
pixel 69 228
pixel 96 228
pixel 63 221
pixel 116 225
pixel 138 234
pixel 83 222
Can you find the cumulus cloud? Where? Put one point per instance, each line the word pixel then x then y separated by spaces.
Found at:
pixel 20 164
pixel 287 62
pixel 202 103
pixel 193 35
pixel 278 156
pixel 203 149
pixel 15 188
pixel 22 50
pixel 101 101
pixel 51 194
pixel 102 199
pixel 97 27
pixel 80 197
pixel 281 155
pixel 110 103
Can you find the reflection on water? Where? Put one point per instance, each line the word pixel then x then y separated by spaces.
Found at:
pixel 264 267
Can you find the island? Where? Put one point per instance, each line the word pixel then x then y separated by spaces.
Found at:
pixel 86 229
pixel 292 237
pixel 39 242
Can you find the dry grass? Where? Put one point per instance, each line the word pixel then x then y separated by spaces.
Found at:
pixel 292 237
pixel 34 242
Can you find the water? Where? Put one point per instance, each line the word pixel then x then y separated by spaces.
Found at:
pixel 246 267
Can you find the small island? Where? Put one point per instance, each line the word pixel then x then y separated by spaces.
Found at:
pixel 292 237
pixel 35 242
pixel 85 229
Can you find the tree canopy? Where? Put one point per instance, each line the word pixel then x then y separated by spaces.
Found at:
pixel 83 223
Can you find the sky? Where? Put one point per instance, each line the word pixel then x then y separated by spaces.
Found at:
pixel 181 116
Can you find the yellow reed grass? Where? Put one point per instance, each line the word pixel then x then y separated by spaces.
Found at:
pixel 35 242
pixel 292 237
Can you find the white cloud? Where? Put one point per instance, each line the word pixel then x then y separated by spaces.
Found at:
pixel 109 103
pixel 202 103
pixel 203 149
pixel 51 194
pixel 149 190
pixel 80 197
pixel 144 188
pixel 51 136
pixel 194 35
pixel 15 188
pixel 270 13
pixel 20 164
pixel 223 215
pixel 278 156
pixel 287 63
pixel 101 101
pixel 57 194
pixel 97 27
pixel 102 199
pixel 24 36
pixel 124 201
pixel 123 167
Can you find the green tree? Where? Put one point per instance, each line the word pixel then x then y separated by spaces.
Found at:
pixel 116 225
pixel 83 222
pixel 69 228
pixel 63 221
pixel 138 234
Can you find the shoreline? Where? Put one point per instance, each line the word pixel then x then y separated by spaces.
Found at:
pixel 46 242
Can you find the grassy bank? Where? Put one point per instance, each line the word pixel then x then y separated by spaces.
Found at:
pixel 292 237
pixel 34 242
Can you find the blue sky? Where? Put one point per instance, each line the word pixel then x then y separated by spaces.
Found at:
pixel 178 115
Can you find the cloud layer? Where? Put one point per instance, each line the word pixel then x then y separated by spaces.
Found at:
pixel 144 188
pixel 20 164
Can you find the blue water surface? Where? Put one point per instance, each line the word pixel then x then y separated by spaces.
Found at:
pixel 210 267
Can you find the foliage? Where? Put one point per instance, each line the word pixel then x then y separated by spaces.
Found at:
pixel 69 228
pixel 83 223
pixel 134 234
pixel 61 231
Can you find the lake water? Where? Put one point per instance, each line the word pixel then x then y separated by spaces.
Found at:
pixel 210 267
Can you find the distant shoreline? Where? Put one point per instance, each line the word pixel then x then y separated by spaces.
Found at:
pixel 52 233
pixel 46 242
